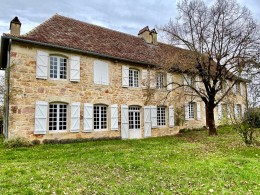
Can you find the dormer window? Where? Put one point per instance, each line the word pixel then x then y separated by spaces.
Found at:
pixel 58 67
pixel 133 78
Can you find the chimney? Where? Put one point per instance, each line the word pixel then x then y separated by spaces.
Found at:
pixel 145 34
pixel 15 26
pixel 154 36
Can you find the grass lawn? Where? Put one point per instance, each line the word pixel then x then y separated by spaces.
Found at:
pixel 191 163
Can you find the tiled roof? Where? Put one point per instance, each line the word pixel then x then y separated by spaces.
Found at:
pixel 71 33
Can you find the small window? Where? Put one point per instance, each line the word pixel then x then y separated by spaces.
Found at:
pixel 133 78
pixel 57 117
pixel 160 81
pixel 58 67
pixel 161 116
pixel 191 107
pixel 100 117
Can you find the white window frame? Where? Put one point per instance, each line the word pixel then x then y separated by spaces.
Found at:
pixel 161 116
pixel 238 112
pixel 160 80
pixel 99 117
pixel 136 110
pixel 57 117
pixel 191 110
pixel 133 80
pixel 58 67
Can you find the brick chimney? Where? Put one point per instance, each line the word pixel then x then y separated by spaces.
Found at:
pixel 154 36
pixel 145 34
pixel 15 26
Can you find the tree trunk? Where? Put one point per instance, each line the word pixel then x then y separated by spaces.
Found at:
pixel 210 119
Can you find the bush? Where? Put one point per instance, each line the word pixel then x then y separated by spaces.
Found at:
pixel 253 118
pixel 17 142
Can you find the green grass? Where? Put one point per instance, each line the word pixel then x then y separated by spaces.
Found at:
pixel 191 163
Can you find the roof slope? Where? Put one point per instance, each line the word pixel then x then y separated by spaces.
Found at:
pixel 71 33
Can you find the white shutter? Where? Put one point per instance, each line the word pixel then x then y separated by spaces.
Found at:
pixel 144 78
pixel 242 109
pixel 171 116
pixel 186 111
pixel 185 79
pixel 198 111
pixel 219 111
pixel 154 116
pixel 42 65
pixel 114 117
pixel 97 72
pixel 125 76
pixel 75 68
pixel 197 83
pixel 147 121
pixel 228 111
pixel 169 81
pixel 104 73
pixel 88 117
pixel 152 79
pixel 124 122
pixel 41 110
pixel 235 88
pixel 241 89
pixel 75 117
pixel 235 111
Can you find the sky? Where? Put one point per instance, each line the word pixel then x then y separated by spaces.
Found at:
pixel 127 16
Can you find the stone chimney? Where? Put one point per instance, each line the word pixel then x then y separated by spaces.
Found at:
pixel 154 36
pixel 15 26
pixel 145 34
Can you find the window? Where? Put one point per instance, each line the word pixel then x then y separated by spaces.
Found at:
pixel 57 117
pixel 100 117
pixel 191 107
pixel 58 67
pixel 101 75
pixel 134 117
pixel 238 111
pixel 161 116
pixel 160 81
pixel 133 78
pixel 189 81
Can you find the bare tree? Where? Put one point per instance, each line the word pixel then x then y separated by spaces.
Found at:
pixel 222 38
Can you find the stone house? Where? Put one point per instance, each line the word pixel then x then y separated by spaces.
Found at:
pixel 70 79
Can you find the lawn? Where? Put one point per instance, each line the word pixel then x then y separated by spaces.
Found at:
pixel 191 163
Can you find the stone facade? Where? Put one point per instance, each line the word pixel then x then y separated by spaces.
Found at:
pixel 26 89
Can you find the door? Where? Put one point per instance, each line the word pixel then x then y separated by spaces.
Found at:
pixel 134 122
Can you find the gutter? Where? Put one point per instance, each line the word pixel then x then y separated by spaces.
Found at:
pixel 7 90
pixel 77 50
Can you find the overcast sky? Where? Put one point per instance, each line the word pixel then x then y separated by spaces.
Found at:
pixel 126 16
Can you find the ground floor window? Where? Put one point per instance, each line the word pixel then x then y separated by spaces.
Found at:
pixel 100 117
pixel 161 116
pixel 238 111
pixel 57 117
pixel 134 117
pixel 191 113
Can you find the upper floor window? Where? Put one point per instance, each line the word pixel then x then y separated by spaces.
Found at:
pixel 57 117
pixel 160 81
pixel 133 78
pixel 100 117
pixel 58 67
pixel 189 80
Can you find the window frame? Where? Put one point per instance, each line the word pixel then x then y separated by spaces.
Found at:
pixel 132 78
pixel 58 57
pixel 160 80
pixel 191 110
pixel 136 110
pixel 58 129
pixel 99 117
pixel 161 117
pixel 190 80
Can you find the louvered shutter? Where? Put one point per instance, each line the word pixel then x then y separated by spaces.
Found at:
pixel 75 69
pixel 198 111
pixel 124 122
pixel 144 78
pixel 42 65
pixel 88 117
pixel 41 110
pixel 75 117
pixel 169 81
pixel 114 117
pixel 219 111
pixel 186 111
pixel 154 116
pixel 241 89
pixel 125 76
pixel 152 79
pixel 171 116
pixel 147 121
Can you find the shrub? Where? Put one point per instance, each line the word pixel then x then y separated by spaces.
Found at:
pixel 17 142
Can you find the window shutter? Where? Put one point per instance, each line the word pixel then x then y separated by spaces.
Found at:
pixel 171 116
pixel 114 117
pixel 234 88
pixel 41 110
pixel 243 110
pixel 198 111
pixel 88 117
pixel 97 72
pixel 124 122
pixel 75 117
pixel 219 111
pixel 169 81
pixel 154 116
pixel 144 78
pixel 105 74
pixel 187 111
pixel 147 121
pixel 241 89
pixel 125 76
pixel 42 65
pixel 185 79
pixel 235 111
pixel 197 83
pixel 228 111
pixel 152 79
pixel 75 68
